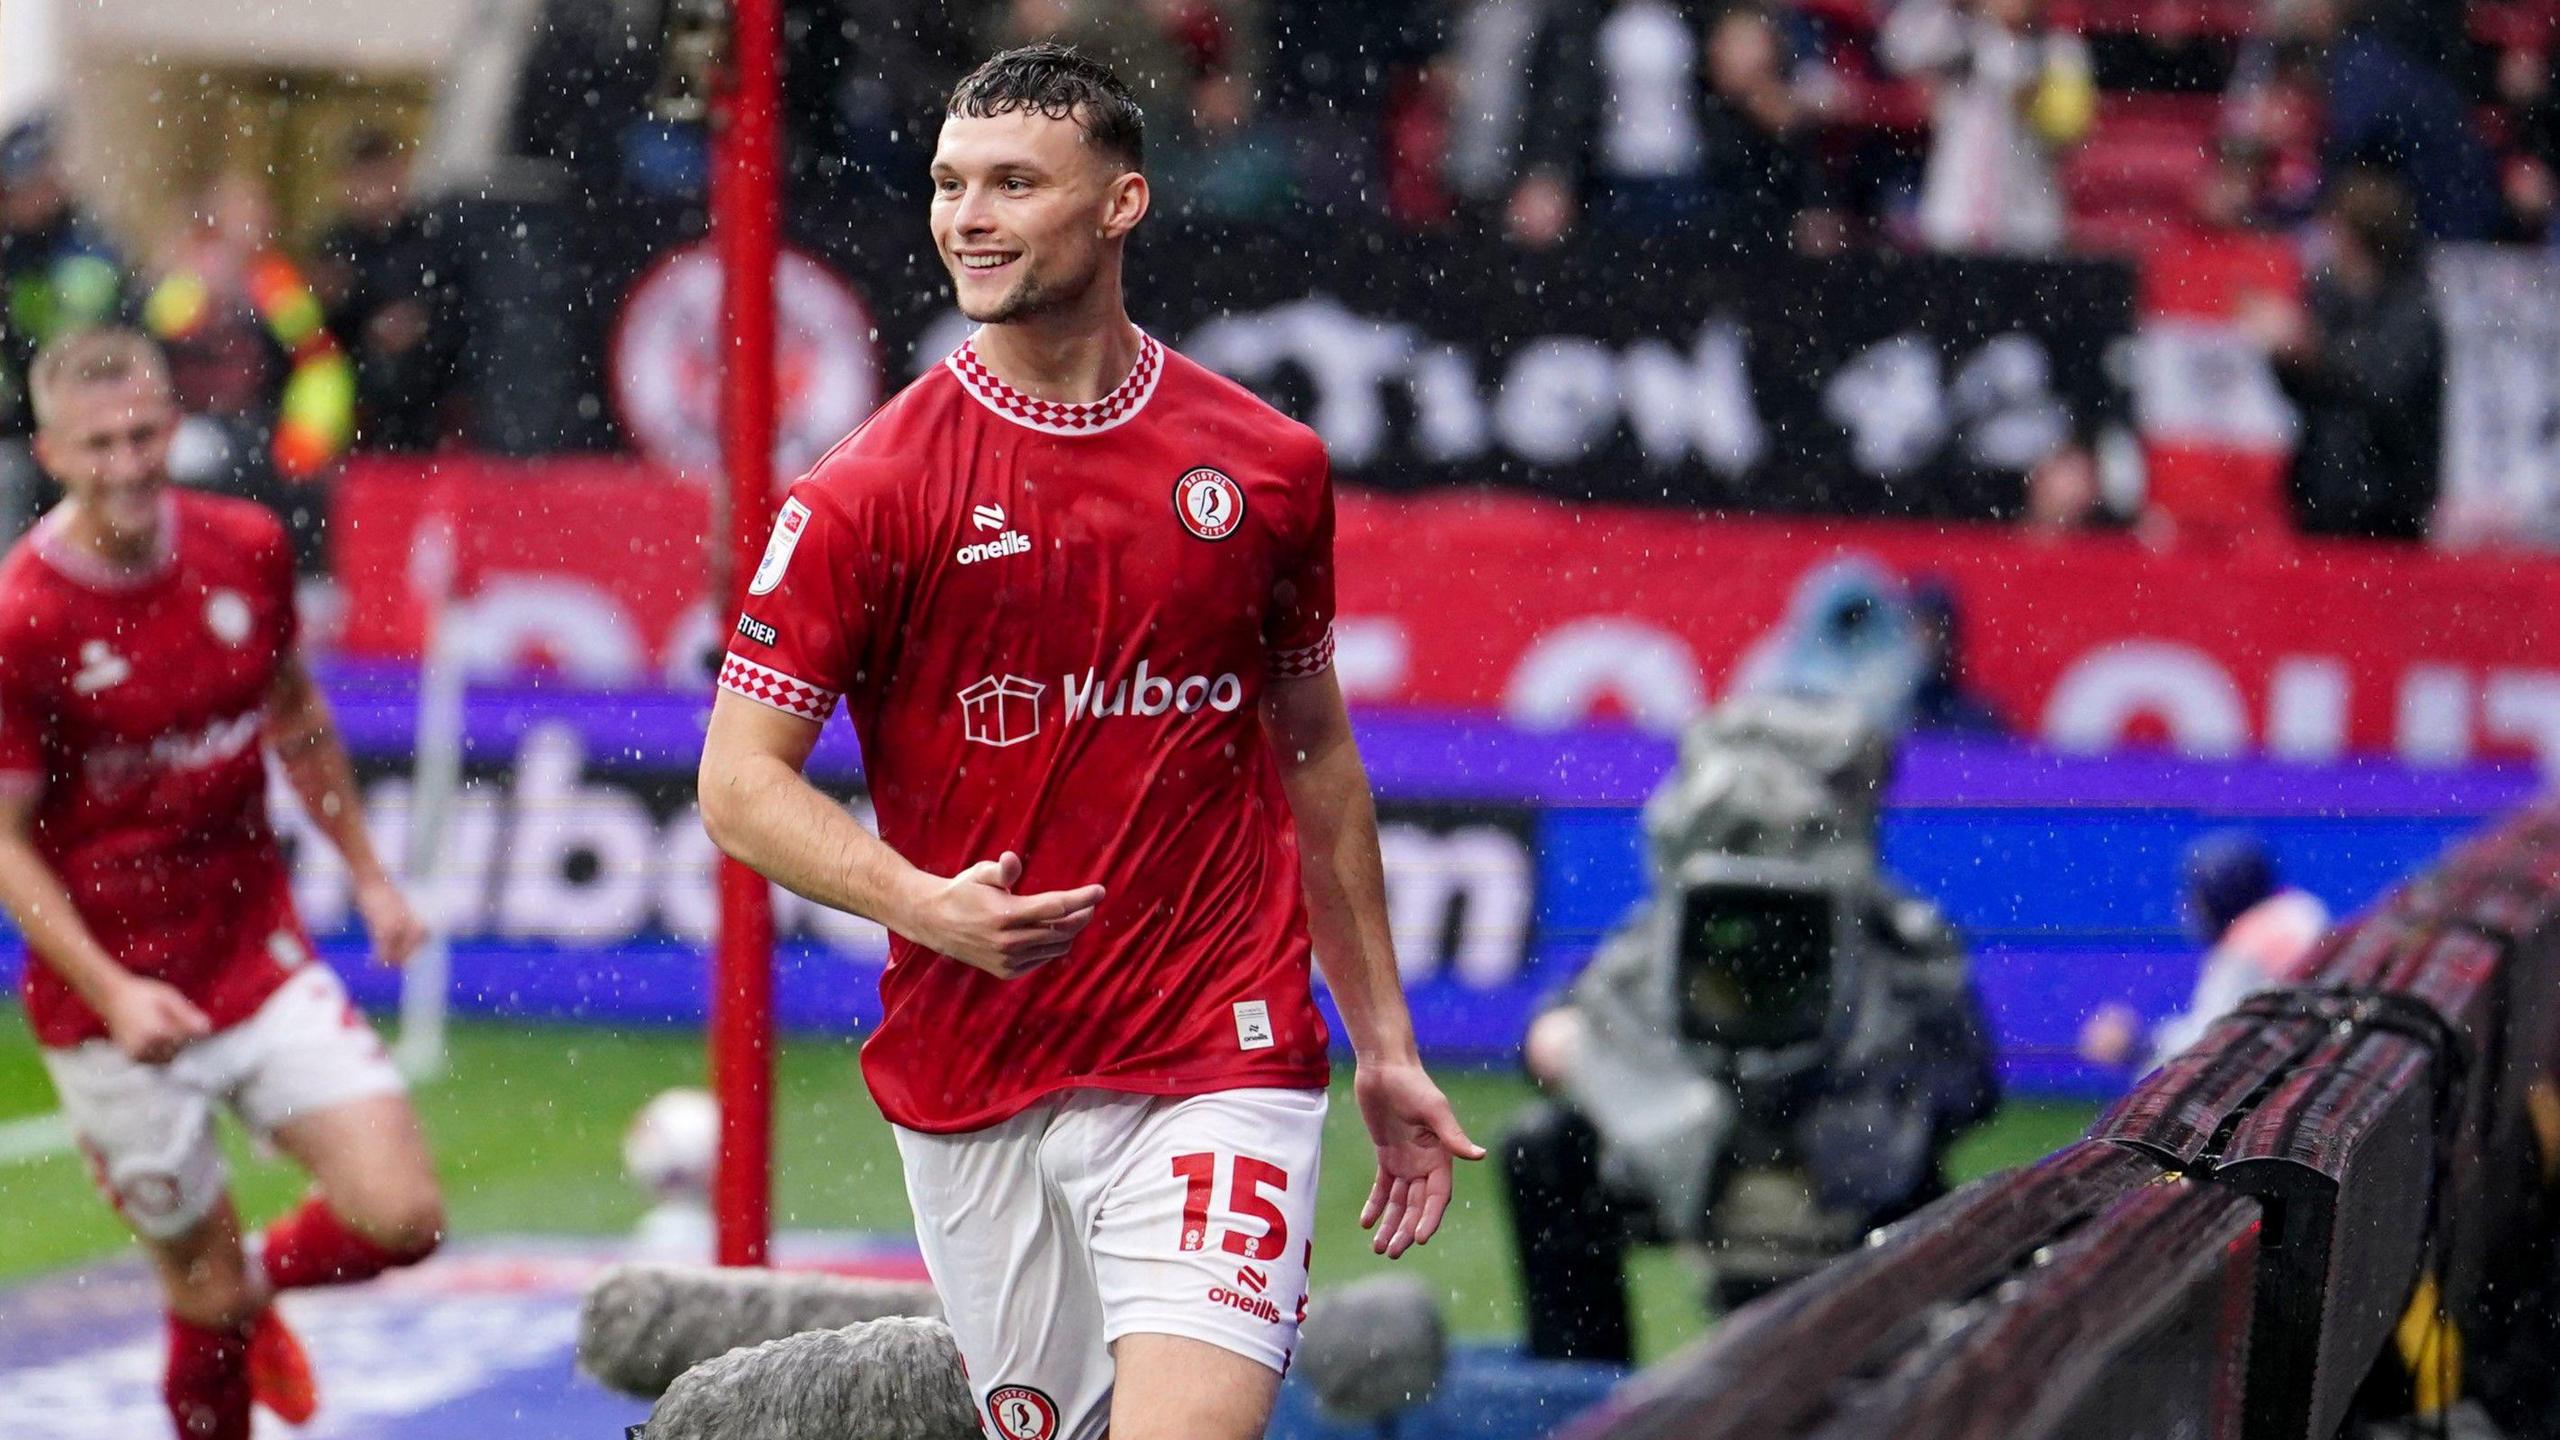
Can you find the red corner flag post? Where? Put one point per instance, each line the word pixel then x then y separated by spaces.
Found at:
pixel 746 208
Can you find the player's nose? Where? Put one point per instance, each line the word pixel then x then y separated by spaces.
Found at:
pixel 974 214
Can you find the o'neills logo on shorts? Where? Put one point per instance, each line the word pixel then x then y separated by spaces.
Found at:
pixel 1254 1305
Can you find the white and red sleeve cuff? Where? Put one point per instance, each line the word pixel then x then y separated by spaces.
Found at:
pixel 768 686
pixel 1305 660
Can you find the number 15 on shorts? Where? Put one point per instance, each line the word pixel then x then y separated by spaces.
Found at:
pixel 1250 1184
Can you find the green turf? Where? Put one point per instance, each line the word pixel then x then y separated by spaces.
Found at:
pixel 527 1130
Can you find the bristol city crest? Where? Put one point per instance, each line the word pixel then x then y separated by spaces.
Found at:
pixel 1210 504
pixel 1022 1413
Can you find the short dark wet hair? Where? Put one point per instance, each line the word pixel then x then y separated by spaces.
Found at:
pixel 1054 80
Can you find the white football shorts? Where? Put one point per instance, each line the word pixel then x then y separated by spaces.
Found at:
pixel 148 1129
pixel 1094 1215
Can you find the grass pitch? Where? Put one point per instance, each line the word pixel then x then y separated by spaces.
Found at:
pixel 527 1130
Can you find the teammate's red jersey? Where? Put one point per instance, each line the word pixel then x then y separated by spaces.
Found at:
pixel 1051 625
pixel 135 703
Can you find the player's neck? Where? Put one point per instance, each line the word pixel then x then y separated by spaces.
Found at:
pixel 1073 361
pixel 84 533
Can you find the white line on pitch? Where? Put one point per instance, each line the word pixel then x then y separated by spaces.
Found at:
pixel 37 1137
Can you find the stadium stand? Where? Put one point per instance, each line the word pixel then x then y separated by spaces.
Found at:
pixel 2335 1208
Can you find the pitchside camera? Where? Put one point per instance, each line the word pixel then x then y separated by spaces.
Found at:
pixel 1756 950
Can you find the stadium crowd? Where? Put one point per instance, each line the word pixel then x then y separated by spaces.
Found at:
pixel 2355 131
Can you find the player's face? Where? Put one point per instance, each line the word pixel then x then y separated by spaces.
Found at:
pixel 1023 207
pixel 108 443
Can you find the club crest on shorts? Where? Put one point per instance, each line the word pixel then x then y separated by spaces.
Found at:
pixel 1211 505
pixel 1021 1412
pixel 787 529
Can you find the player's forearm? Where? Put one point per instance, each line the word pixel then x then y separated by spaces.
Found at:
pixel 1346 889
pixel 55 934
pixel 768 817
pixel 305 739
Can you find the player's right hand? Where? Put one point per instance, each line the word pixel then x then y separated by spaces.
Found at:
pixel 975 918
pixel 151 1022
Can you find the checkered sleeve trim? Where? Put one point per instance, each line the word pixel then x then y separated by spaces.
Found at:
pixel 1305 660
pixel 766 686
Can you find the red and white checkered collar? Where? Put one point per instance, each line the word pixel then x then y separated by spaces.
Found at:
pixel 1061 417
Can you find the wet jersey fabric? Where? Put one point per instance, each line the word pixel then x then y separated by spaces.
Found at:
pixel 134 703
pixel 1051 625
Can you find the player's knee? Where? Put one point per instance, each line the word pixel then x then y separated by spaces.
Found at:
pixel 407 1227
pixel 412 1228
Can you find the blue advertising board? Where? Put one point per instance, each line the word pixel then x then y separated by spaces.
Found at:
pixel 576 880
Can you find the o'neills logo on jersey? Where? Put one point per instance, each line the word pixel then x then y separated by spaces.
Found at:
pixel 1145 694
pixel 1011 542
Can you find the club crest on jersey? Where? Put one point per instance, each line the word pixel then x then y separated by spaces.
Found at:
pixel 787 530
pixel 1209 504
pixel 227 615
pixel 1022 1412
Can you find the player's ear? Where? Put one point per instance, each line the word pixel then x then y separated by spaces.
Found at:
pixel 1124 204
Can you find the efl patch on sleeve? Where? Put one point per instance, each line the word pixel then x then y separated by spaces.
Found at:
pixel 788 527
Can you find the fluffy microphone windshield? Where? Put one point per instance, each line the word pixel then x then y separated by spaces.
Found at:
pixel 644 1325
pixel 1374 1349
pixel 895 1379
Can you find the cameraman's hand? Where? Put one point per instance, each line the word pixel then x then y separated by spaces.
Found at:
pixel 2110 1034
pixel 975 918
pixel 1416 1134
pixel 1554 1045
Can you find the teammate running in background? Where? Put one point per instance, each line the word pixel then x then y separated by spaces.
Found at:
pixel 2259 932
pixel 1077 592
pixel 146 650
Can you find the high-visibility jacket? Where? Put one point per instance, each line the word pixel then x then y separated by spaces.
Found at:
pixel 316 413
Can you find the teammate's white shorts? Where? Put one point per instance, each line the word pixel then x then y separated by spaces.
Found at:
pixel 1094 1215
pixel 148 1129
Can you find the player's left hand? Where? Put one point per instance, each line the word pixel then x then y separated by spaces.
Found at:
pixel 1416 1134
pixel 395 927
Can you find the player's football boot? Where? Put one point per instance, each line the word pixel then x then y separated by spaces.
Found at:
pixel 279 1372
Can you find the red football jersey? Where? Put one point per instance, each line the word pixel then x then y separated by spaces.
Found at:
pixel 136 703
pixel 1051 624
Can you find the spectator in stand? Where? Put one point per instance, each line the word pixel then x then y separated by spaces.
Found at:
pixel 269 396
pixel 2273 114
pixel 1943 703
pixel 2007 95
pixel 1659 118
pixel 1228 165
pixel 1336 76
pixel 2529 168
pixel 385 287
pixel 2388 109
pixel 2234 194
pixel 57 274
pixel 2362 359
pixel 1493 48
pixel 1148 44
